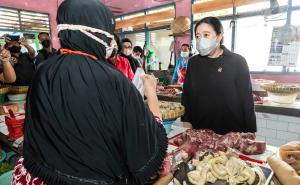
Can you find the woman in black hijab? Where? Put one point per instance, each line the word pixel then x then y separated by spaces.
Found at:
pixel 85 122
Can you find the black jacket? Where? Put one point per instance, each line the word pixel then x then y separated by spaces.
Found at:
pixel 217 94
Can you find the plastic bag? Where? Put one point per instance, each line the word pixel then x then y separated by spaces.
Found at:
pixel 137 80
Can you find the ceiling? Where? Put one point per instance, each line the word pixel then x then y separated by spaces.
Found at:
pixel 127 6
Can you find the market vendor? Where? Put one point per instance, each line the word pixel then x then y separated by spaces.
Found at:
pixel 181 65
pixel 85 121
pixel 217 92
pixel 22 62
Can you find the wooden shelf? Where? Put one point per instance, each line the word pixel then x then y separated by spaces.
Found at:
pixel 187 33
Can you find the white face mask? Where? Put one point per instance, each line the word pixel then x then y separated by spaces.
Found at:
pixel 205 46
pixel 184 54
pixel 88 31
pixel 110 49
pixel 127 51
pixel 108 52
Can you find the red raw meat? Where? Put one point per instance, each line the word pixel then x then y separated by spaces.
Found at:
pixel 207 139
pixel 190 148
pixel 165 168
pixel 179 141
pixel 248 135
pixel 231 139
pixel 192 141
pixel 251 147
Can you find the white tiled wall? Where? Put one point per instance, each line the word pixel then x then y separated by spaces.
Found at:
pixel 277 130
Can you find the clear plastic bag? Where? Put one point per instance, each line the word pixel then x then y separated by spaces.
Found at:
pixel 137 80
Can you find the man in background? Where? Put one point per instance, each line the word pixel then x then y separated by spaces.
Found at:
pixel 22 62
pixel 47 50
pixel 137 54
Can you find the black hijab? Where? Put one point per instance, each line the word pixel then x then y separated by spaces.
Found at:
pixel 90 13
pixel 86 124
pixel 134 63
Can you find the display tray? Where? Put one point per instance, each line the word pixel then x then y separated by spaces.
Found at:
pixel 268 173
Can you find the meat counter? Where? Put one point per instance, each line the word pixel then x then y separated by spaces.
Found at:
pixel 270 150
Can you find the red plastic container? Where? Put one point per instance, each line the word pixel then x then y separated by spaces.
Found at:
pixel 15 126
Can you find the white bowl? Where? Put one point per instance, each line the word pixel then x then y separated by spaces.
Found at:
pixel 282 98
pixel 17 97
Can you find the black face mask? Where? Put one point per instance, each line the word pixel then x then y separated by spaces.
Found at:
pixel 46 43
pixel 15 49
pixel 114 53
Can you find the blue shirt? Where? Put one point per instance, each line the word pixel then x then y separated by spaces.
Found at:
pixel 180 65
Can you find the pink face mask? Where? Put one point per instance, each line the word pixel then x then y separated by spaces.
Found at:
pixel 127 51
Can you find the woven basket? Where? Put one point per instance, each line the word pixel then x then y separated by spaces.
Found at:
pixel 4 89
pixel 171 110
pixel 281 88
pixel 18 89
pixel 181 25
pixel 282 93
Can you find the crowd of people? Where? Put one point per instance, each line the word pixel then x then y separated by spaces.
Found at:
pixel 17 67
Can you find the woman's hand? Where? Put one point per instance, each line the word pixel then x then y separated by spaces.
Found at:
pixel 5 55
pixel 150 83
pixel 23 41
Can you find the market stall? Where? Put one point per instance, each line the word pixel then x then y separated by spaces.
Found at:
pixel 181 157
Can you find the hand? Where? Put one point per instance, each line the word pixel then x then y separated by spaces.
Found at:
pixel 5 55
pixel 23 41
pixel 150 83
pixel 13 60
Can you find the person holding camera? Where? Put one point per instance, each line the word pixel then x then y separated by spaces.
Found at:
pixel 22 62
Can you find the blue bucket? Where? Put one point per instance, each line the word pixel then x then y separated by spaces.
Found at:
pixel 5 178
pixel 168 125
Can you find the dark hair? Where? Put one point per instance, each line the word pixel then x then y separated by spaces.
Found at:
pixel 117 39
pixel 213 22
pixel 41 33
pixel 126 40
pixel 187 45
pixel 137 49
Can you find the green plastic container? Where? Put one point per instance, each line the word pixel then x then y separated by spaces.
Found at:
pixel 5 178
pixel 168 125
pixel 3 156
pixel 2 98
